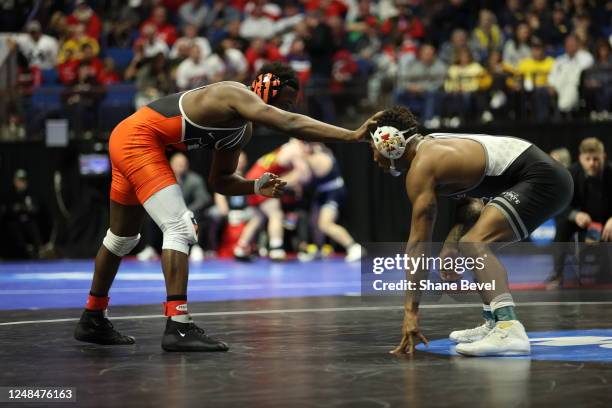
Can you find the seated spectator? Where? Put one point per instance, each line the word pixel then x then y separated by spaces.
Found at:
pixel 189 39
pixel 164 31
pixel 194 13
pixel 463 81
pixel 83 14
pixel 419 84
pixel 382 82
pixel 39 49
pixel 533 82
pixel 299 61
pixel 149 43
pixel 226 63
pixel 109 75
pixel 192 72
pixel 457 42
pixel 517 48
pixel 404 24
pixel 91 62
pixel 257 25
pixel 510 16
pixel 564 77
pixel 553 31
pixel 153 80
pixel 363 31
pixel 74 45
pixel 67 70
pixel 82 98
pixel 496 83
pixel 591 205
pixel 260 53
pixel 487 36
pixel 597 83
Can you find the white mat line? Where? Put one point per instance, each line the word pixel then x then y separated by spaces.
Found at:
pixel 192 288
pixel 316 310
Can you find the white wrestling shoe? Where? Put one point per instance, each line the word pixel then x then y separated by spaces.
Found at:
pixel 277 255
pixel 354 253
pixel 508 338
pixel 472 335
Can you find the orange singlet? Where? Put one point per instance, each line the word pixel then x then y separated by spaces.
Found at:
pixel 138 144
pixel 267 163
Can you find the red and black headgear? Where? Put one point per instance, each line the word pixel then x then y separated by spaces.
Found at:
pixel 267 86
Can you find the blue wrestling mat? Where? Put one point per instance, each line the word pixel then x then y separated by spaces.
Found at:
pixel 565 345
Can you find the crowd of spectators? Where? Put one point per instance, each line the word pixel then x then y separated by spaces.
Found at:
pixel 450 61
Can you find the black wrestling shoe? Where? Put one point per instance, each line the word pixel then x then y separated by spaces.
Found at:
pixel 94 327
pixel 189 337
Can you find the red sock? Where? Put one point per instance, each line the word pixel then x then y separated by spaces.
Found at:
pixel 97 303
pixel 175 308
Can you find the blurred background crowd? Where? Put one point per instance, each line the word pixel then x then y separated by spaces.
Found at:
pixel 450 61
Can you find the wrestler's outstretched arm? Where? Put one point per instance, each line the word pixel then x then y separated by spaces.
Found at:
pixel 251 107
pixel 421 185
pixel 224 180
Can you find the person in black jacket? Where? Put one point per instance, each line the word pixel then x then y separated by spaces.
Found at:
pixel 590 211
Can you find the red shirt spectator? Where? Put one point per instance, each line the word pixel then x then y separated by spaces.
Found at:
pixel 331 8
pixel 164 31
pixel 405 23
pixel 67 70
pixel 260 53
pixel 109 75
pixel 83 14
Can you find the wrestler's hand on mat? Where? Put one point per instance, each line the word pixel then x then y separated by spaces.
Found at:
pixel 449 250
pixel 411 334
pixel 272 186
pixel 369 126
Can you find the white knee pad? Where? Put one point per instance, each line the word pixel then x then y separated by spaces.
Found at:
pixel 180 232
pixel 120 246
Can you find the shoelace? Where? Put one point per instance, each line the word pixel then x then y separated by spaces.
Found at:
pixel 485 325
pixel 199 330
pixel 501 333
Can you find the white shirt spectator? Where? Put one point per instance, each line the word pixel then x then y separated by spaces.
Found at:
pixel 257 27
pixel 41 53
pixel 199 41
pixel 565 78
pixel 232 66
pixel 190 74
pixel 152 49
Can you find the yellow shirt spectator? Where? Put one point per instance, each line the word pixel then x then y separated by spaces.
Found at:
pixel 76 45
pixel 536 71
pixel 464 78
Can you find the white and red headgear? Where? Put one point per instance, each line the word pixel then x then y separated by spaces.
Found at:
pixel 391 143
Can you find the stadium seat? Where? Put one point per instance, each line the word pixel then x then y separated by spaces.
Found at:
pixel 50 76
pixel 121 56
pixel 118 104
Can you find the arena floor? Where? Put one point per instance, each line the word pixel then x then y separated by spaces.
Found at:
pixel 300 336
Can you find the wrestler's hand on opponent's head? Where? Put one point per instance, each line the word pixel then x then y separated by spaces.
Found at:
pixel 273 187
pixel 369 126
pixel 411 334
